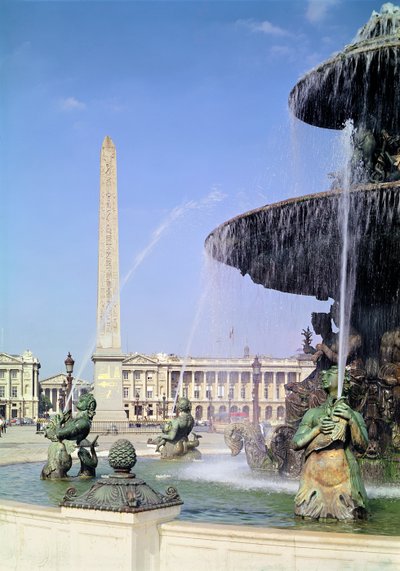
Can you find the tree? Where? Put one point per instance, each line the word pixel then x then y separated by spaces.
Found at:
pixel 45 404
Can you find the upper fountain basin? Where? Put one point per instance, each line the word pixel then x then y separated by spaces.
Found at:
pixel 361 83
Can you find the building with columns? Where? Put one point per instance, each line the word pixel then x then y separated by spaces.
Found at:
pixel 221 389
pixel 19 385
pixel 55 389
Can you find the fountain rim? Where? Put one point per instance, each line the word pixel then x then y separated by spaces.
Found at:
pixel 328 194
pixel 350 52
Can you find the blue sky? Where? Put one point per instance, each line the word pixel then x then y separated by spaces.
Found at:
pixel 194 96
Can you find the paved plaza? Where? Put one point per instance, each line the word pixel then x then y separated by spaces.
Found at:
pixel 23 444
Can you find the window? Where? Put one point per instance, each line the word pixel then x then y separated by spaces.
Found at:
pixel 245 377
pixel 243 392
pixel 2 374
pixel 14 373
pixel 196 393
pixel 230 395
pixel 126 392
pixel 233 377
pixel 292 377
pixel 210 377
pixel 149 376
pixel 185 392
pixel 280 413
pixel 208 392
pixel 137 374
pixel 222 376
pixel 125 375
pixel 14 392
pixel 221 390
pixel 2 391
pixel 149 393
pixel 266 392
pixel 268 377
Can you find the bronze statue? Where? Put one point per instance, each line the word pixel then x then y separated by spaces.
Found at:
pixel 62 429
pixel 258 456
pixel 174 443
pixel 330 484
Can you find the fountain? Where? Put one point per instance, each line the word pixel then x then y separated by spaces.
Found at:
pixel 298 246
pixel 276 246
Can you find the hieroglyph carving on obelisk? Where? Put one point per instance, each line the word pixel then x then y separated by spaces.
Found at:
pixel 108 304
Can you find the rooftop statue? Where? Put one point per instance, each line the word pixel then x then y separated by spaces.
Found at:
pixel 330 483
pixel 174 441
pixel 63 429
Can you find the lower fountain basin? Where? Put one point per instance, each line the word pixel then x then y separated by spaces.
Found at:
pixel 215 490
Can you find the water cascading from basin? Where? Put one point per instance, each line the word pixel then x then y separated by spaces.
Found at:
pixel 310 246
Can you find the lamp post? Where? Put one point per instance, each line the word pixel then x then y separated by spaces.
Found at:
pixel 137 397
pixel 164 398
pixel 69 366
pixel 210 428
pixel 256 365
pixel 61 398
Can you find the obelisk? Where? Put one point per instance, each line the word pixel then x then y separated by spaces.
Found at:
pixel 108 355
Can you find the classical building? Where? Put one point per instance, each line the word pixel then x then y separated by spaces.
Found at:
pixel 55 388
pixel 19 385
pixel 218 388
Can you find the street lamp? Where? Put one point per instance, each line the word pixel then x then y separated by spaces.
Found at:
pixel 256 365
pixel 61 399
pixel 164 398
pixel 229 403
pixel 210 429
pixel 137 397
pixel 69 366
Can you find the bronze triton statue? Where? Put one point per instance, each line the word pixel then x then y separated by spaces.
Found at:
pixel 174 443
pixel 63 429
pixel 330 481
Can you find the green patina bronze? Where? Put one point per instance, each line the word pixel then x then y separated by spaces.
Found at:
pixel 330 483
pixel 62 430
pixel 122 491
pixel 174 441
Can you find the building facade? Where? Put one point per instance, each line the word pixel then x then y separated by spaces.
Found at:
pixel 55 389
pixel 221 389
pixel 19 386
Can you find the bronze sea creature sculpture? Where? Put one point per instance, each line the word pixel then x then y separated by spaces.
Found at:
pixel 330 483
pixel 174 441
pixel 62 430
